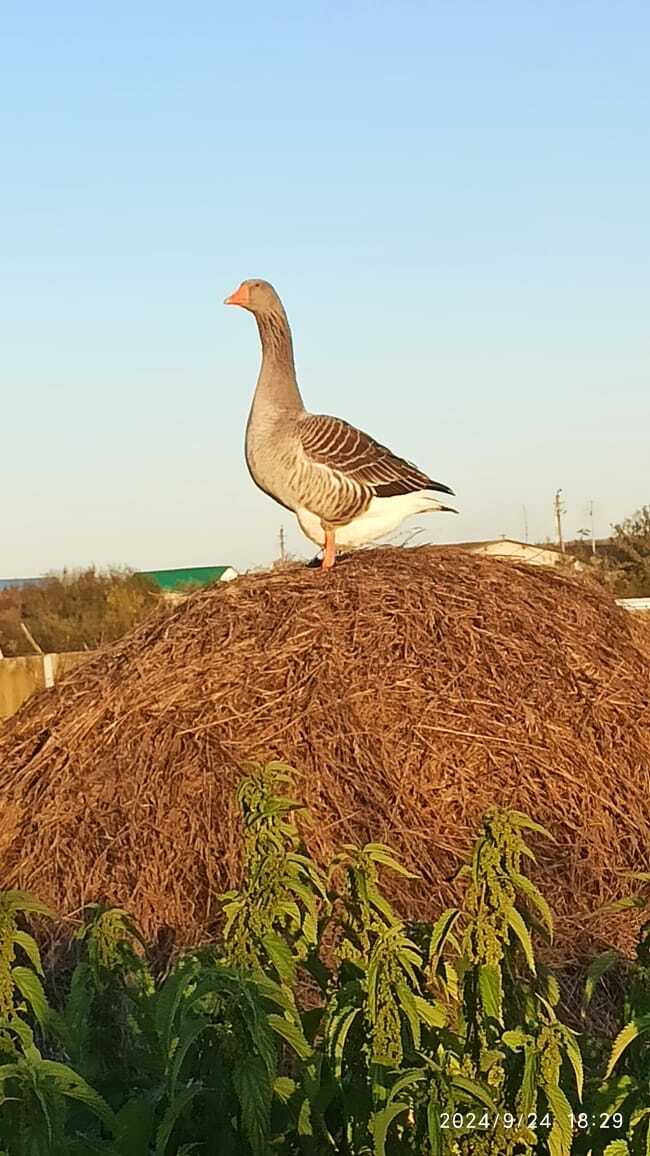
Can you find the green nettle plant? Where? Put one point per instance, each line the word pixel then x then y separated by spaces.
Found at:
pixel 620 1102
pixel 322 1022
pixel 513 1037
pixel 272 923
pixel 41 1099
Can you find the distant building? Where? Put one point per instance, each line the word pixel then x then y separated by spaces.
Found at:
pixel 170 581
pixel 173 582
pixel 514 551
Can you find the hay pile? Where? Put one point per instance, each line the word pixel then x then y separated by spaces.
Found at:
pixel 411 689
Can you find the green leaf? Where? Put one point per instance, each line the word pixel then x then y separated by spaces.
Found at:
pixel 636 1027
pixel 527 1097
pixel 523 884
pixel 408 1080
pixel 430 1014
pixel 134 1128
pixel 380 853
pixel 519 819
pixel 476 864
pixel 37 1092
pixel 340 1027
pixel 292 1034
pixel 172 1116
pixel 281 957
pixel 26 903
pixel 434 1128
pixel 560 1137
pixel 25 1034
pixel 305 1126
pixel 636 1118
pixel 442 928
pixel 627 903
pixel 284 1088
pixel 450 980
pixel 30 947
pixel 410 960
pixel 254 1090
pixel 575 1058
pixel 304 892
pixel 474 1091
pixel 311 1022
pixel 75 1087
pixel 190 1032
pixel 276 994
pixel 381 1122
pixel 515 1039
pixel 169 999
pixel 381 904
pixel 288 908
pixel 372 980
pixel 517 924
pixel 598 968
pixel 407 1001
pixel 617 1148
pixel 490 990
pixel 310 928
pixel 31 989
pixel 552 989
pixel 12 1071
pixel 488 1057
pixel 230 910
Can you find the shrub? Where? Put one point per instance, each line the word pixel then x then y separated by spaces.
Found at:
pixel 322 1022
pixel 74 611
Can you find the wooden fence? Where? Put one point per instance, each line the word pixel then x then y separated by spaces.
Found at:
pixel 22 677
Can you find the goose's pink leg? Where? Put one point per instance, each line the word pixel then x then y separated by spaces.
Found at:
pixel 330 551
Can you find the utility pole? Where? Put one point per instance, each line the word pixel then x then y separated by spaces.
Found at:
pixel 525 524
pixel 283 552
pixel 559 510
pixel 591 522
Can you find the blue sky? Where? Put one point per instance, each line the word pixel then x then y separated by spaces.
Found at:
pixel 451 198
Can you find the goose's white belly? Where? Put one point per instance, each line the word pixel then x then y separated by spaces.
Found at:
pixel 382 517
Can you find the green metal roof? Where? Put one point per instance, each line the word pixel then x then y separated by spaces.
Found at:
pixel 194 575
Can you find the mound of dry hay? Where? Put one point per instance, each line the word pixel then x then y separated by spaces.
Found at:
pixel 411 689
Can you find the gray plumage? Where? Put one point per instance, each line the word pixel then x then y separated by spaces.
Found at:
pixel 316 465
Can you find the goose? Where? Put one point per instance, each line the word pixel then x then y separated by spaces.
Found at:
pixel 344 488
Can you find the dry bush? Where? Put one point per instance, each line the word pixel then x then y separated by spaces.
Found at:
pixel 78 610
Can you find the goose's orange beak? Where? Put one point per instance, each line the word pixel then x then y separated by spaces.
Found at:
pixel 239 297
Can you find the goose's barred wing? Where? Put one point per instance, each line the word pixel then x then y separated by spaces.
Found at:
pixel 329 441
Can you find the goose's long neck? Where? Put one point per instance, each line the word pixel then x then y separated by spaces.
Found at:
pixel 277 388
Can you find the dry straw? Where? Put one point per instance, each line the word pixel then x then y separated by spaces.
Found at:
pixel 410 688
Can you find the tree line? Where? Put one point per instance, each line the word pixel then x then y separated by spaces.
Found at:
pixel 622 561
pixel 73 611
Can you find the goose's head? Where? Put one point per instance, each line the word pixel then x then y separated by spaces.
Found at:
pixel 257 296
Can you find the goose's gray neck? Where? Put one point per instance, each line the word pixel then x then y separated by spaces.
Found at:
pixel 277 387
